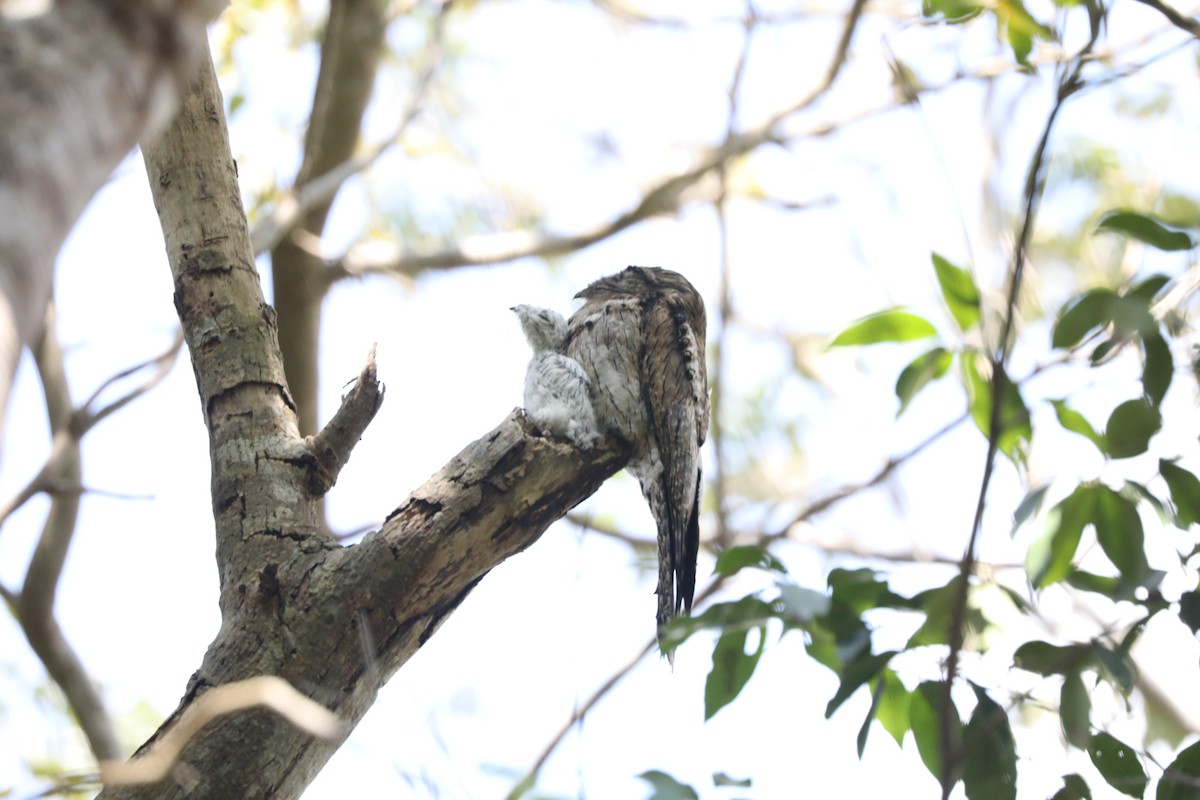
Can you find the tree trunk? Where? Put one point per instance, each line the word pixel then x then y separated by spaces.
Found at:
pixel 336 622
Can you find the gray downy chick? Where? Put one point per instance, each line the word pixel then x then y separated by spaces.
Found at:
pixel 556 387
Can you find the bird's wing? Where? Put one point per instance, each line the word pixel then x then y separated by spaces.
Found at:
pixel 672 376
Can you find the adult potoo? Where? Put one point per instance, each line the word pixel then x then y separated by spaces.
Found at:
pixel 640 338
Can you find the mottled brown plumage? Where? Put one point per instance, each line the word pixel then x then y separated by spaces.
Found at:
pixel 640 338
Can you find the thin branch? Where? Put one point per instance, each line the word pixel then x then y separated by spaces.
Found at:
pixel 581 711
pixel 294 205
pixel 586 522
pixel 527 782
pixel 270 691
pixel 1177 19
pixel 34 606
pixel 890 466
pixel 83 419
pixel 664 198
pixel 724 304
pixel 708 591
pixel 1070 82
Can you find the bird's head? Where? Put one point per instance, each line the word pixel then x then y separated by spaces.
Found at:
pixel 544 328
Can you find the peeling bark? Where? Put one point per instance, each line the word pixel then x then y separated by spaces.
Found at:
pixel 334 621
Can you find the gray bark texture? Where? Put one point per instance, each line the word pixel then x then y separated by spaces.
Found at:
pixel 334 621
pixel 80 85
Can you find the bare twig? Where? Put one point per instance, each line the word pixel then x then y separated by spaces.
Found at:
pixel 1177 19
pixel 833 498
pixel 294 205
pixel 270 691
pixel 34 605
pixel 586 522
pixel 724 306
pixel 579 713
pixel 1070 82
pixel 83 419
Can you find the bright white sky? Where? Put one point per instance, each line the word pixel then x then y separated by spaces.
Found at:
pixel 473 709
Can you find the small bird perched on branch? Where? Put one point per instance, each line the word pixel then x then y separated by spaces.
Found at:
pixel 640 338
pixel 556 388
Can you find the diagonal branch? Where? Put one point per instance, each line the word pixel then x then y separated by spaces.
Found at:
pixel 1177 19
pixel 304 198
pixel 33 606
pixel 55 474
pixel 664 198
pixel 1070 82
pixel 331 447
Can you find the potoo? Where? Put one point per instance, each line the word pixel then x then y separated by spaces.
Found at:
pixel 556 387
pixel 640 338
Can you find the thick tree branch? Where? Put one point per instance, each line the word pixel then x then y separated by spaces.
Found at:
pixel 319 191
pixel 334 622
pixel 79 85
pixel 350 52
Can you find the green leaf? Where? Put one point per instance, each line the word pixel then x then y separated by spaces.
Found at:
pixel 919 372
pixel 1015 428
pixel 1075 710
pixel 722 779
pixel 1049 558
pixel 990 764
pixel 891 705
pixel 1149 288
pixel 747 612
pixel 1044 658
pixel 732 666
pixel 1084 314
pixel 1158 367
pixel 1139 492
pixel 855 674
pixel 1118 764
pixel 1130 428
pixel 1106 585
pixel 954 11
pixel 1119 532
pixel 895 325
pixel 734 559
pixel 666 787
pixel 1189 610
pixel 959 292
pixel 1181 779
pixel 865 729
pixel 860 590
pixel 1020 28
pixel 1146 229
pixel 803 604
pixel 1074 788
pixel 926 719
pixel 938 605
pixel 1075 422
pixel 848 637
pixel 1185 492
pixel 1029 506
pixel 1132 317
pixel 1116 666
